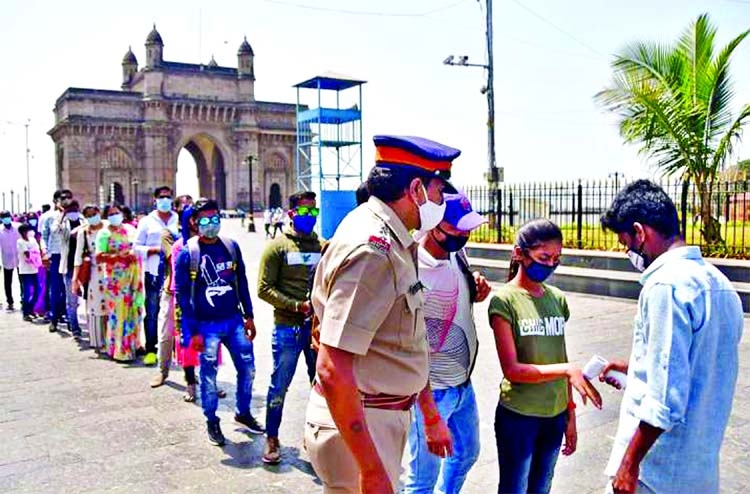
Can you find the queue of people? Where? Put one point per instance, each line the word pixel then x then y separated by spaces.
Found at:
pixel 383 314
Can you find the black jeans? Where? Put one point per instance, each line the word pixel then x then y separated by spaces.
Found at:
pixel 151 321
pixel 8 279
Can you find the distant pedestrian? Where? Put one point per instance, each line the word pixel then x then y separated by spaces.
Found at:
pixel 67 227
pixel 267 215
pixel 536 410
pixel 29 262
pixel 9 236
pixel 684 361
pixel 277 218
pixel 52 244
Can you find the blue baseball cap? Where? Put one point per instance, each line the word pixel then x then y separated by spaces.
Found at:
pixel 459 213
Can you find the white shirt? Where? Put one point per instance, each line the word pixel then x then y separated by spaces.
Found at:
pixel 25 266
pixel 148 235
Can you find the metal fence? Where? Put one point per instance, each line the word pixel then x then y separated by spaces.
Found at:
pixel 578 205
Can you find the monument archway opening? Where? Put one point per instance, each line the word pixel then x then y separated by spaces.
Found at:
pixel 201 170
pixel 274 196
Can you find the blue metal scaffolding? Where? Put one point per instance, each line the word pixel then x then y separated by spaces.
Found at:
pixel 329 134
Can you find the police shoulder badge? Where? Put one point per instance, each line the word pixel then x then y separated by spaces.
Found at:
pixel 381 242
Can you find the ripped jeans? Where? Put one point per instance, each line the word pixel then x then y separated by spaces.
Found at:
pixel 287 342
pixel 230 333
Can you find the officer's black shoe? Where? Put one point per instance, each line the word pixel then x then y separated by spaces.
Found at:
pixel 249 421
pixel 215 436
pixel 52 327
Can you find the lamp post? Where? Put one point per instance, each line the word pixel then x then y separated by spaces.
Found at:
pixel 135 183
pixel 11 201
pixel 3 201
pixel 251 223
pixel 494 176
pixel 27 189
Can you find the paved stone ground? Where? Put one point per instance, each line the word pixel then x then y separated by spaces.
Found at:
pixel 70 422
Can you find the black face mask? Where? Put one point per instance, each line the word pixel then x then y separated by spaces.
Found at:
pixel 452 243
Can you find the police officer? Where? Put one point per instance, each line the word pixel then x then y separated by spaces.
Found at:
pixel 373 357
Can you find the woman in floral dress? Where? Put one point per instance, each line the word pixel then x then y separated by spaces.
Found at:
pixel 123 288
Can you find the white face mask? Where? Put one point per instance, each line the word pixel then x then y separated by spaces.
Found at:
pixel 637 260
pixel 115 219
pixel 430 214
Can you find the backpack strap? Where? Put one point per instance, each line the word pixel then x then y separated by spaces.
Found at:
pixel 195 256
pixel 231 248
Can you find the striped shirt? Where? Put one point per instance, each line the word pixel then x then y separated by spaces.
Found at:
pixel 448 319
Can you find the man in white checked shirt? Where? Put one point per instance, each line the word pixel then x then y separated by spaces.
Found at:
pixel 450 291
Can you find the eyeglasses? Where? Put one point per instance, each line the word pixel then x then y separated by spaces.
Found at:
pixel 64 198
pixel 305 210
pixel 206 220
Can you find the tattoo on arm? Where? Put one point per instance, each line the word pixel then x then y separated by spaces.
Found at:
pixel 357 427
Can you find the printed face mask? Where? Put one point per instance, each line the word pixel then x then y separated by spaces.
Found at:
pixel 6 221
pixel 430 214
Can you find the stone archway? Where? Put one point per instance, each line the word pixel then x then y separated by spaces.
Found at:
pixel 210 166
pixel 276 180
pixel 114 176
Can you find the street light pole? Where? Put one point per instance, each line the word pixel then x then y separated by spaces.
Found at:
pixel 493 177
pixel 135 194
pixel 251 223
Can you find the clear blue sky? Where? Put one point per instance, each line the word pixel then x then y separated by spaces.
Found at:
pixel 551 57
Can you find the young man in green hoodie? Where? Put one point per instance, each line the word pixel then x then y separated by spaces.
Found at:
pixel 284 281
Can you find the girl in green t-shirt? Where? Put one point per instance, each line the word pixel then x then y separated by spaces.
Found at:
pixel 536 407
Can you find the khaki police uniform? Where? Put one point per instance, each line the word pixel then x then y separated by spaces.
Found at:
pixel 368 298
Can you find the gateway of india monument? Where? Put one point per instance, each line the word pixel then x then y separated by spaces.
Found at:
pixel 120 145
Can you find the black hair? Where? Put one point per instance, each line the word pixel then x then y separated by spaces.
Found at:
pixel 89 207
pixel 23 229
pixel 4 214
pixel 56 195
pixel 127 213
pixel 532 234
pixel 302 195
pixel 179 200
pixel 363 194
pixel 46 207
pixel 161 189
pixel 110 206
pixel 204 204
pixel 66 192
pixel 73 204
pixel 643 202
pixel 389 183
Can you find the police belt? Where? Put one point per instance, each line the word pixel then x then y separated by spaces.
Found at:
pixel 381 401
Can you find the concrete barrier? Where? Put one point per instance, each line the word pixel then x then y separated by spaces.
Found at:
pixel 597 272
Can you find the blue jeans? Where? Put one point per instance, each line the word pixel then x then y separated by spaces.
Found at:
pixel 287 342
pixel 151 321
pixel 232 334
pixel 427 473
pixel 527 450
pixel 71 305
pixel 56 287
pixel 29 292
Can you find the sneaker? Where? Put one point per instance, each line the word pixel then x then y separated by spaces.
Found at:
pixel 272 451
pixel 158 380
pixel 52 327
pixel 149 359
pixel 10 308
pixel 28 318
pixel 249 421
pixel 215 435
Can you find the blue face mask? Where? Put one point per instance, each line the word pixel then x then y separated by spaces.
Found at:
pixel 95 220
pixel 304 223
pixel 538 272
pixel 6 221
pixel 115 219
pixel 164 204
pixel 209 231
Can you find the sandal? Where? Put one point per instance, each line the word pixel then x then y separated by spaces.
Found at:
pixel 189 397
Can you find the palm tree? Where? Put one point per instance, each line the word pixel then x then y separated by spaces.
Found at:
pixel 675 101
